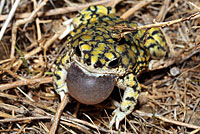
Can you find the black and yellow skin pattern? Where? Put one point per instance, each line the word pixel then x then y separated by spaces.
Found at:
pixel 98 45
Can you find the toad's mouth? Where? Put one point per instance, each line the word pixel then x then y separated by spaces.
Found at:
pixel 89 87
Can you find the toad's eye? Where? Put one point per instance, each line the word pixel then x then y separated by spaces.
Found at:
pixel 114 63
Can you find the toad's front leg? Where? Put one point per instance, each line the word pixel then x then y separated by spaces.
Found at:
pixel 60 75
pixel 132 91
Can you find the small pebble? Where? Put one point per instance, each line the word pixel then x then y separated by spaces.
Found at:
pixel 174 71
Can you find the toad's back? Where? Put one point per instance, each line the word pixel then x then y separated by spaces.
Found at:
pixel 101 46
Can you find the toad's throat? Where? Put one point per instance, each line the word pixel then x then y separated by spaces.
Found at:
pixel 87 87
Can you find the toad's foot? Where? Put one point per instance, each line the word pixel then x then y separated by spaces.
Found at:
pixel 118 116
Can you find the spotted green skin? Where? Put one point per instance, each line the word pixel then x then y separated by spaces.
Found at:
pixel 99 46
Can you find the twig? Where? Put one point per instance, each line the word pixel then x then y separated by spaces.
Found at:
pixel 160 24
pixel 75 121
pixel 11 14
pixel 26 95
pixel 5 95
pixel 195 131
pixel 13 74
pixel 193 111
pixel 59 11
pixel 135 8
pixel 197 7
pixel 4 61
pixel 2 5
pixel 23 21
pixel 25 119
pixel 178 123
pixel 91 121
pixel 25 82
pixel 56 119
pixel 47 43
pixel 10 107
pixel 163 11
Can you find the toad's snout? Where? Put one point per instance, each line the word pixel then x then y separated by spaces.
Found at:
pixel 89 88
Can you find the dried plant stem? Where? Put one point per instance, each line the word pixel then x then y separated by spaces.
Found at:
pixel 63 10
pixel 194 5
pixel 178 123
pixel 135 8
pixel 25 82
pixel 163 11
pixel 13 74
pixel 23 21
pixel 160 24
pixel 25 119
pixel 58 114
pixel 11 14
pixel 2 5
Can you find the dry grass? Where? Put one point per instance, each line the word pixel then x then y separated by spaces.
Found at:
pixel 169 103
